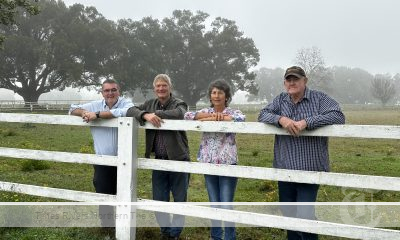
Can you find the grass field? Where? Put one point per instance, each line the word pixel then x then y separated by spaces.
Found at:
pixel 348 155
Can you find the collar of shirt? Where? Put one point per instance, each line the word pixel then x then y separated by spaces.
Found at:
pixel 114 106
pixel 163 106
pixel 307 95
pixel 212 110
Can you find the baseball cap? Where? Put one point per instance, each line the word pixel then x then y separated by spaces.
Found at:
pixel 295 71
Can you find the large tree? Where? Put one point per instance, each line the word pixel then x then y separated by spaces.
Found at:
pixel 270 82
pixel 58 48
pixel 198 56
pixel 313 63
pixel 9 9
pixel 191 53
pixel 383 88
pixel 141 57
pixel 396 79
pixel 350 84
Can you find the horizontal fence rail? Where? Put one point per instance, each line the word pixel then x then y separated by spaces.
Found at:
pixel 123 229
pixel 59 156
pixel 54 119
pixel 355 131
pixel 55 192
pixel 324 178
pixel 347 131
pixel 273 221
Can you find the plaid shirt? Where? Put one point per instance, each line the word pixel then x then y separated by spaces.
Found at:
pixel 304 152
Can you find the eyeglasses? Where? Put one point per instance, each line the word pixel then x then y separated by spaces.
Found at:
pixel 112 90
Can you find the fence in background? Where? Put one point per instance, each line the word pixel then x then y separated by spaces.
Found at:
pixel 41 105
pixel 60 105
pixel 63 105
pixel 127 164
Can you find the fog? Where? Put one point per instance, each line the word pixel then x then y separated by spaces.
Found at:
pixel 67 94
pixel 352 33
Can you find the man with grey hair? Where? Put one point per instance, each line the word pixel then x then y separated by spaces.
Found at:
pixel 165 144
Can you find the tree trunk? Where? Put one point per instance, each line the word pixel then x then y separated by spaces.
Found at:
pixel 30 98
pixel 191 103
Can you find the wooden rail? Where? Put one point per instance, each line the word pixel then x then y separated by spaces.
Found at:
pixel 127 164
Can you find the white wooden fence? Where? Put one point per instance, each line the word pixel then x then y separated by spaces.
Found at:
pixel 21 105
pixel 127 164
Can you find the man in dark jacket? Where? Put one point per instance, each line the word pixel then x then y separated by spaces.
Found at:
pixel 165 144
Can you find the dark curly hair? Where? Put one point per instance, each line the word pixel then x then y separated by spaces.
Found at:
pixel 221 85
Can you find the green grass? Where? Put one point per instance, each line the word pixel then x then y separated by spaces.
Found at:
pixel 348 155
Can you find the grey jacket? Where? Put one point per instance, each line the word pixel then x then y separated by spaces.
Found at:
pixel 176 141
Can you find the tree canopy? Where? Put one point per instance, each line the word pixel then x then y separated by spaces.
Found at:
pixel 313 63
pixel 349 85
pixel 270 82
pixel 9 9
pixel 383 88
pixel 57 48
pixel 76 46
pixel 190 52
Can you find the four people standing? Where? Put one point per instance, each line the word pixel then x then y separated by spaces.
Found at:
pixel 219 148
pixel 295 110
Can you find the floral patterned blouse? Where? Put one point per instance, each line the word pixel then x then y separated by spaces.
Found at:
pixel 218 148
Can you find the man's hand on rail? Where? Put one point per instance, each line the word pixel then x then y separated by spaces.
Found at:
pixel 292 127
pixel 153 119
pixel 88 116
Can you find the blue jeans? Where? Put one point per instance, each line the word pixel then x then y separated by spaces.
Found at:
pixel 298 192
pixel 221 189
pixel 163 183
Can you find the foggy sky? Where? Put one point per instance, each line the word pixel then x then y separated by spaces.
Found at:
pixel 353 33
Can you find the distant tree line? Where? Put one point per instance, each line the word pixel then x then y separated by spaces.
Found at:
pixel 49 46
pixel 346 85
pixel 76 46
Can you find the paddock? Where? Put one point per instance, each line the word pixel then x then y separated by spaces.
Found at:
pixel 127 163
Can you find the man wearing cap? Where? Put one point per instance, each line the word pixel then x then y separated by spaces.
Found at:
pixel 298 109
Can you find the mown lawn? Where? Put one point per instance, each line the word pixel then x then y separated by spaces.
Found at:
pixel 348 155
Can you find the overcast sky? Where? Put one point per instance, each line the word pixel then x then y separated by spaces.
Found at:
pixel 353 33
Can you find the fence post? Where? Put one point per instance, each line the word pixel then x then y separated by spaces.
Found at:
pixel 126 178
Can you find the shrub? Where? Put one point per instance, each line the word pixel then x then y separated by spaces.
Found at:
pixel 86 149
pixel 28 125
pixel 255 153
pixel 8 132
pixel 29 145
pixel 32 165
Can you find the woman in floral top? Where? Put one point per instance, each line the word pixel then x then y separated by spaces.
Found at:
pixel 219 148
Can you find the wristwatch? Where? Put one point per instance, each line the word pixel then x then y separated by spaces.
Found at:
pixel 98 114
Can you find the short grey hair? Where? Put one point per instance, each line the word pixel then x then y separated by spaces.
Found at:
pixel 110 81
pixel 163 77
